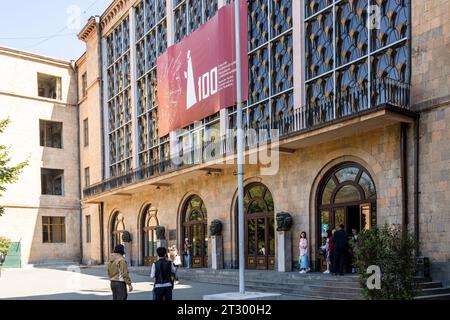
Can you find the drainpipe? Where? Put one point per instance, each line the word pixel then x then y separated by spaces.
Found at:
pixel 75 70
pixel 100 78
pixel 404 173
pixel 100 214
pixel 416 184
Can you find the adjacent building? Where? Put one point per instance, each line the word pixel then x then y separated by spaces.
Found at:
pixel 42 210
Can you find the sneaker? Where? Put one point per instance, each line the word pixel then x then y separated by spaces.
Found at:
pixel 177 282
pixel 308 270
pixel 303 271
pixel 327 272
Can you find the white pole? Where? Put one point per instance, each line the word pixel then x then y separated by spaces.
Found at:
pixel 240 147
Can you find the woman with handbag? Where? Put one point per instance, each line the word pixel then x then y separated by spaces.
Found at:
pixel 303 248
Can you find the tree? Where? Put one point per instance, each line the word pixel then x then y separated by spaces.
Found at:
pixel 5 245
pixel 8 174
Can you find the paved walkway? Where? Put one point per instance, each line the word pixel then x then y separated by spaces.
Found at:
pixel 90 284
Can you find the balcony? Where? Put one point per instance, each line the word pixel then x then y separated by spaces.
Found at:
pixel 390 98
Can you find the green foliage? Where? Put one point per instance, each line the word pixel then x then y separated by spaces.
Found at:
pixel 8 174
pixel 5 245
pixel 392 249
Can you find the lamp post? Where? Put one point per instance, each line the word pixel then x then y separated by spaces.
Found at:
pixel 240 146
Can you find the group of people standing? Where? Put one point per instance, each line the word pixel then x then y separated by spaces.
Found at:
pixel 163 271
pixel 335 249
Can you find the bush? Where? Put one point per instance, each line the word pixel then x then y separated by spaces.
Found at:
pixel 392 249
pixel 5 244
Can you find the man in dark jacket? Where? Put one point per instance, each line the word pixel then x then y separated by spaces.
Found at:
pixel 340 249
pixel 163 271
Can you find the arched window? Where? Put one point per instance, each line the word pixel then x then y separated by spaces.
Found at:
pixel 149 223
pixel 347 196
pixel 117 228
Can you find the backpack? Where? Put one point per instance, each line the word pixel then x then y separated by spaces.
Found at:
pixel 330 244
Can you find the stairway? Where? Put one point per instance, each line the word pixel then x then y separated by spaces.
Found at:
pixel 311 285
pixel 432 290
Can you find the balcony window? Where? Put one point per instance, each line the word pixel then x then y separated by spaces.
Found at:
pixel 87 177
pixel 49 86
pixel 52 182
pixel 50 134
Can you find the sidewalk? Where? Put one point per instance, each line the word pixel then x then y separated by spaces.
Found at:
pixel 91 284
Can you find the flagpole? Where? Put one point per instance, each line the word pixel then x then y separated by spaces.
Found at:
pixel 240 147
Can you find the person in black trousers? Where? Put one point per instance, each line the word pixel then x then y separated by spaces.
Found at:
pixel 340 249
pixel 163 272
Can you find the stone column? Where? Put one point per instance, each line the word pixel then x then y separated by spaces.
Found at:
pixel 216 252
pixel 284 251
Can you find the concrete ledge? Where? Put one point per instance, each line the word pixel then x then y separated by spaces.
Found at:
pixel 245 296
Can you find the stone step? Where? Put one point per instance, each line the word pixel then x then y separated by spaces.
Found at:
pixel 444 296
pixel 433 291
pixel 429 285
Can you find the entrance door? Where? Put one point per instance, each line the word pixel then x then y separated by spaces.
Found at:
pixel 260 228
pixel 347 196
pixel 195 228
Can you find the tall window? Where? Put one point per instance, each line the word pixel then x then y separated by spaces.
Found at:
pixel 50 134
pixel 86 132
pixel 84 85
pixel 49 86
pixel 271 70
pixel 360 59
pixel 52 182
pixel 87 177
pixel 119 99
pixel 88 229
pixel 189 15
pixel 150 42
pixel 54 229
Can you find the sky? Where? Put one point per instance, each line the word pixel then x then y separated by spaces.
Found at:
pixel 47 27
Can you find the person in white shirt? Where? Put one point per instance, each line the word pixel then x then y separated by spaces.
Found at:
pixel 163 271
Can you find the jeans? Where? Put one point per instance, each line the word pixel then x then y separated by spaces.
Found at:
pixel 338 265
pixel 304 263
pixel 188 261
pixel 119 290
pixel 164 293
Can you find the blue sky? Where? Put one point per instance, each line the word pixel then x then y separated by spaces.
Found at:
pixel 47 27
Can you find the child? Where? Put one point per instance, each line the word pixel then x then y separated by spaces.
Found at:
pixel 328 248
pixel 303 247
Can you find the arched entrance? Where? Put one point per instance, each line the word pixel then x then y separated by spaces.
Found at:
pixel 195 228
pixel 117 228
pixel 347 195
pixel 259 227
pixel 149 222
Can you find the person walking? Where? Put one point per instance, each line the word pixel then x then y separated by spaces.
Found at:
pixel 118 274
pixel 303 248
pixel 187 252
pixel 174 256
pixel 163 272
pixel 340 239
pixel 328 248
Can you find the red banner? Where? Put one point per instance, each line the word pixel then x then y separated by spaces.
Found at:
pixel 197 77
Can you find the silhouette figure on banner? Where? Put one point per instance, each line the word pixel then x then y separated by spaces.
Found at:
pixel 191 96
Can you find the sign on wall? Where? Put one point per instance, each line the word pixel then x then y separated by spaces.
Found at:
pixel 197 77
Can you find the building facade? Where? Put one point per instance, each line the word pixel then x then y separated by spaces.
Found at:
pixel 358 92
pixel 42 210
pixel 361 108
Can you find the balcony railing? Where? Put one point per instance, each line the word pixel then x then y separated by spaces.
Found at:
pixel 348 103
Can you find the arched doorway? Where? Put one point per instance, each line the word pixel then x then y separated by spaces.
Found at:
pixel 149 222
pixel 195 228
pixel 117 229
pixel 259 227
pixel 347 195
